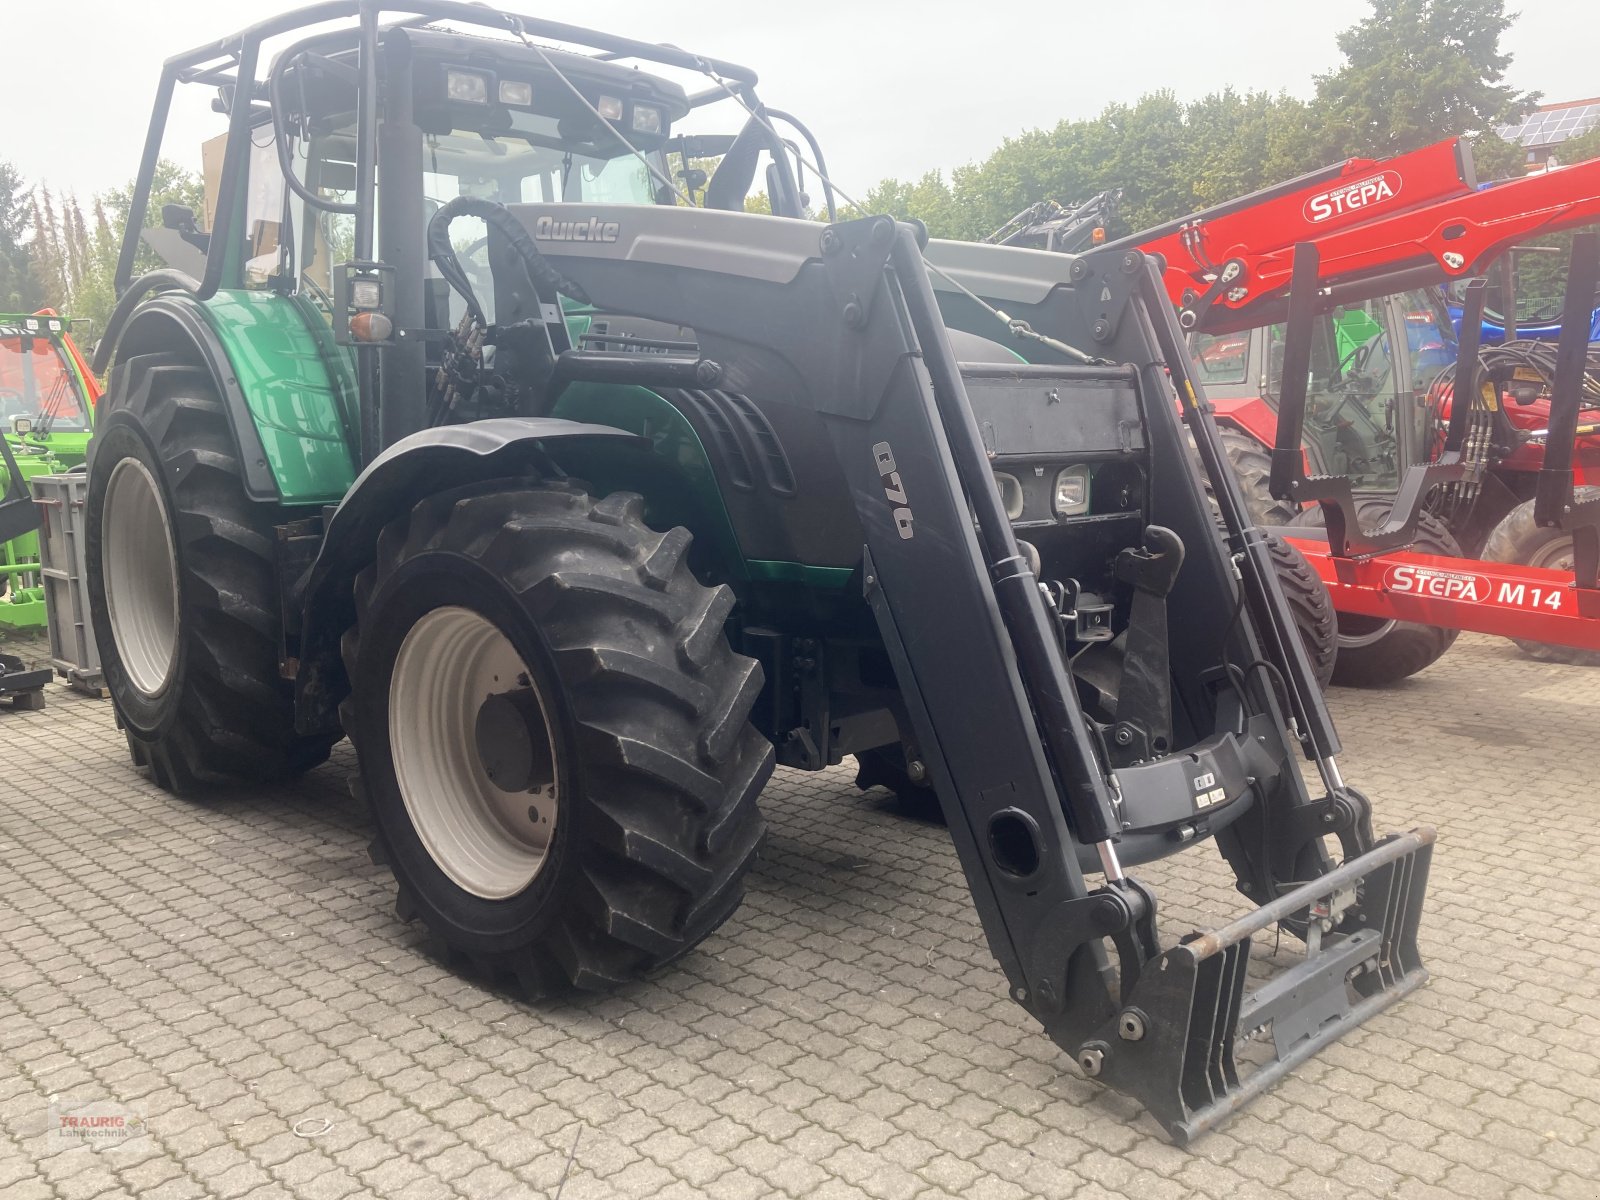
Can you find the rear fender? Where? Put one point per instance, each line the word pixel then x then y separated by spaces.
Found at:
pixel 175 323
pixel 1251 416
pixel 431 461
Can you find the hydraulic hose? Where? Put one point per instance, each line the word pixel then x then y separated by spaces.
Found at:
pixel 496 216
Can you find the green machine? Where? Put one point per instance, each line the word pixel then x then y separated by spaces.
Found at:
pixel 47 414
pixel 21 588
pixel 485 427
pixel 47 394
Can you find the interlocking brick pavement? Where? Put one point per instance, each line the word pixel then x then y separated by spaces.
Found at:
pixel 233 971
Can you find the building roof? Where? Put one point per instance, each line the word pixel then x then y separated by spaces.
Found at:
pixel 1551 124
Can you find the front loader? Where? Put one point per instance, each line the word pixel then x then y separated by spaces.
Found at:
pixel 579 506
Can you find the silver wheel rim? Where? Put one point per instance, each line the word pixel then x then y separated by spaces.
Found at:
pixel 1556 555
pixel 1367 637
pixel 141 577
pixel 490 842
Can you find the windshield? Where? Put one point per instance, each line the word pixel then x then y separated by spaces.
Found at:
pixel 528 164
pixel 1430 337
pixel 37 382
pixel 524 164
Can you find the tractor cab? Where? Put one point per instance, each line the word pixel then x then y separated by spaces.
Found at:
pixel 1371 408
pixel 488 118
pixel 46 395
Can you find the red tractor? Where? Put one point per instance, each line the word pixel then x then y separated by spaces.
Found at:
pixel 1380 380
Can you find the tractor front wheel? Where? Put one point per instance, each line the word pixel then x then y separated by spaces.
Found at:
pixel 1311 606
pixel 1373 651
pixel 554 734
pixel 183 588
pixel 1520 539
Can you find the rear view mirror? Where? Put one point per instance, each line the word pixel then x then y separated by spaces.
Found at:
pixel 179 217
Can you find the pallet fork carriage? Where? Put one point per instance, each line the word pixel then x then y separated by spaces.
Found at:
pixel 794 546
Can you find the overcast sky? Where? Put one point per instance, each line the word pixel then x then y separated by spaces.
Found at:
pixel 891 87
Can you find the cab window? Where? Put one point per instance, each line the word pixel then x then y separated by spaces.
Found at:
pixel 1222 357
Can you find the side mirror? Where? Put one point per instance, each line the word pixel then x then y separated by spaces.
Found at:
pixel 179 217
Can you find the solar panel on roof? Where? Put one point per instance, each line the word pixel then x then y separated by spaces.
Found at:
pixel 1551 126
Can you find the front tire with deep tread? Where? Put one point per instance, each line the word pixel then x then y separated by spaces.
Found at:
pixel 657 766
pixel 222 712
pixel 1311 606
pixel 1520 539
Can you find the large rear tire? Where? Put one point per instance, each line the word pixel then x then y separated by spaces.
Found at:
pixel 1374 652
pixel 1520 539
pixel 183 589
pixel 554 734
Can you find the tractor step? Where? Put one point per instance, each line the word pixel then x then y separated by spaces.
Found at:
pixel 1194 1047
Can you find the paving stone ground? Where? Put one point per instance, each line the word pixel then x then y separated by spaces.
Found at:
pixel 231 972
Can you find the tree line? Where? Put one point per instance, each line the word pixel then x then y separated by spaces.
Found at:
pixel 1413 72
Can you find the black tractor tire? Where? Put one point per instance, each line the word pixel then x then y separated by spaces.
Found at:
pixel 222 712
pixel 1312 606
pixel 653 763
pixel 1252 465
pixel 1520 539
pixel 1374 652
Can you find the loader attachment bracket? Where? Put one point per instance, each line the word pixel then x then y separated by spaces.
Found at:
pixel 1189 1042
pixel 1103 284
pixel 854 255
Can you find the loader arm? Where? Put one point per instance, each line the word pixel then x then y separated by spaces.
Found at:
pixel 1377 227
pixel 843 322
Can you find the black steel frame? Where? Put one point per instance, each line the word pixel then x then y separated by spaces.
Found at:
pixel 233 61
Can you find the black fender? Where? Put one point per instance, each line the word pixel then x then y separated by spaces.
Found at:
pixel 430 461
pixel 172 322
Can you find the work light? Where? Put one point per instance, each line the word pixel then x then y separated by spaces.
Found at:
pixel 516 92
pixel 468 87
pixel 1071 491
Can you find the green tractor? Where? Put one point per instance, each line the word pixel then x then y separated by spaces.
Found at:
pixel 579 505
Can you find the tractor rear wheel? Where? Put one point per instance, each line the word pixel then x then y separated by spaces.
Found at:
pixel 554 734
pixel 1373 651
pixel 183 588
pixel 1520 539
